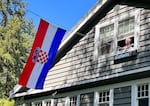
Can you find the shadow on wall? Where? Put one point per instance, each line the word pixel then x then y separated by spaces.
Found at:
pixel 82 64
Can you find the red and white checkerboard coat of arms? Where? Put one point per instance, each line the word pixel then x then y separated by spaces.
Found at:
pixel 40 56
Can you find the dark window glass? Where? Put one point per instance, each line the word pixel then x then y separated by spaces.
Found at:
pixel 143 102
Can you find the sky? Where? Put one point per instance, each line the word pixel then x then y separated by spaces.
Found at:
pixel 62 13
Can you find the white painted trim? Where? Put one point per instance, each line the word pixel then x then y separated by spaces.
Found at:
pixel 78 100
pixel 43 103
pixel 32 104
pixel 126 15
pixel 137 28
pixel 96 42
pixel 52 102
pixel 96 98
pixel 67 101
pixel 133 95
pixel 111 96
pixel 106 22
pixel 115 33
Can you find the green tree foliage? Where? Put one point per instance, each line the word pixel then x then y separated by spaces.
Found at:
pixel 16 37
pixel 6 102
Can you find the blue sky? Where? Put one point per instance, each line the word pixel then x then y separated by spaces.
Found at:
pixel 62 13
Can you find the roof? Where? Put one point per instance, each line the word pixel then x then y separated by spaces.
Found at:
pixel 101 8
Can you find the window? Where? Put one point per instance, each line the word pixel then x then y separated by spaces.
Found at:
pixel 106 39
pixel 118 34
pixel 126 27
pixel 106 32
pixel 87 99
pixel 73 101
pixel 142 95
pixel 47 103
pixel 38 103
pixel 59 102
pixel 126 35
pixel 104 98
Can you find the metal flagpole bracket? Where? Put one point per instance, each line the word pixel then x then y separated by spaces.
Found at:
pixel 78 33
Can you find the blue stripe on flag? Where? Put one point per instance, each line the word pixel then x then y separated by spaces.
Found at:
pixel 52 53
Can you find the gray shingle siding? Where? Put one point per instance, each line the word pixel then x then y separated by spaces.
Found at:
pixel 122 96
pixel 78 64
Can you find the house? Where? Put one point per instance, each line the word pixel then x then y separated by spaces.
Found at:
pixel 104 61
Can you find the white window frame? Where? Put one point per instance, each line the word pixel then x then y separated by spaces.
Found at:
pixel 68 99
pixel 34 103
pixel 124 36
pixel 65 102
pixel 134 96
pixel 44 102
pixel 115 21
pixel 79 97
pixel 97 36
pixel 136 15
pixel 96 97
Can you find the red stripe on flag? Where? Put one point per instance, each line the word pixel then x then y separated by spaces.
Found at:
pixel 37 43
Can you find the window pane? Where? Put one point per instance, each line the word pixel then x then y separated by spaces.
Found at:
pixel 87 99
pixel 48 103
pixel 138 88
pixel 107 32
pixel 126 26
pixel 105 104
pixel 38 104
pixel 59 102
pixel 143 102
pixel 73 101
pixel 106 48
pixel 106 39
pixel 146 93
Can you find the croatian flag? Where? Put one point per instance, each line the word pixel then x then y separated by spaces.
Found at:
pixel 42 56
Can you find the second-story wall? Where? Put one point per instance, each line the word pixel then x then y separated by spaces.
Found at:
pixel 83 63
